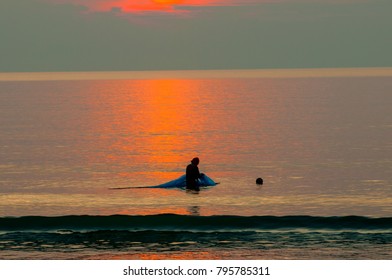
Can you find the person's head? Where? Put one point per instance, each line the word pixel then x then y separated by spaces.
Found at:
pixel 195 161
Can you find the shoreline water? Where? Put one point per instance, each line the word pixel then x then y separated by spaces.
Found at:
pixel 192 237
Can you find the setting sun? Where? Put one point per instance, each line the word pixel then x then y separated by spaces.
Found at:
pixel 141 6
pixel 171 2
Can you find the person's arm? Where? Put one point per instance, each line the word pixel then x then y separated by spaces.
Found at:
pixel 199 175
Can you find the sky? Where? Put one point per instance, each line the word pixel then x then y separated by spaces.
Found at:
pixel 127 35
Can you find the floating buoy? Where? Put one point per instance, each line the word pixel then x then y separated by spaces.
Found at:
pixel 259 181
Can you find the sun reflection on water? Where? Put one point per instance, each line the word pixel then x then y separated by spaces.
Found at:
pixel 156 123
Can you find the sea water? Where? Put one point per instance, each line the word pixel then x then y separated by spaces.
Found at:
pixel 321 144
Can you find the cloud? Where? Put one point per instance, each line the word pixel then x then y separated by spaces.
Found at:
pixel 144 6
pixel 179 6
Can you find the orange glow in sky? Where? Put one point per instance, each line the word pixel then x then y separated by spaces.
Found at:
pixel 167 1
pixel 140 6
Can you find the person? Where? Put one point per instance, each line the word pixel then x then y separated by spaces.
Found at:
pixel 192 175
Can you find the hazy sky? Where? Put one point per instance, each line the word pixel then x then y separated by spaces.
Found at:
pixel 75 35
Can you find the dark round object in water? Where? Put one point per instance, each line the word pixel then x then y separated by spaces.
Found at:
pixel 259 181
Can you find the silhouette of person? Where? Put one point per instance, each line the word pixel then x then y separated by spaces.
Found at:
pixel 192 175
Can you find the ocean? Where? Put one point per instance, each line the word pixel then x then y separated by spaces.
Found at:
pixel 74 150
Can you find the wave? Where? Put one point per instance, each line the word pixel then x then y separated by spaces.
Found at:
pixel 81 236
pixel 173 222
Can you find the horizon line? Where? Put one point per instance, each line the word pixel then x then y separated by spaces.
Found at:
pixel 198 74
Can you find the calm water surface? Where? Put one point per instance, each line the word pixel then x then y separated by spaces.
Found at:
pixel 322 145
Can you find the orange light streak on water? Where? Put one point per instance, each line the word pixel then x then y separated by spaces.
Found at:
pixel 153 122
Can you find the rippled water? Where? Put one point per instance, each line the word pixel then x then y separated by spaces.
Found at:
pixel 322 145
